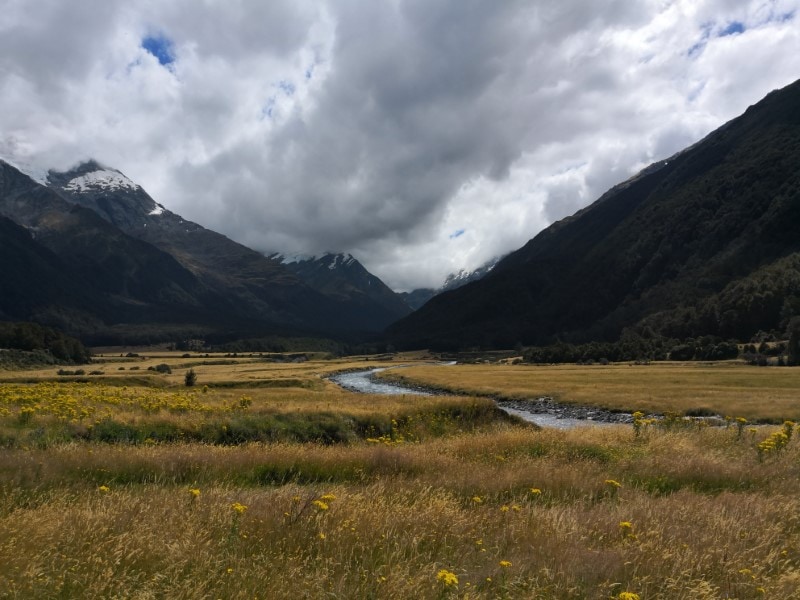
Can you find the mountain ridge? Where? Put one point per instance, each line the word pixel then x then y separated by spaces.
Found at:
pixel 655 253
pixel 341 276
pixel 142 267
pixel 418 297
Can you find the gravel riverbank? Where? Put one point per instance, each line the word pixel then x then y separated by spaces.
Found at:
pixel 543 411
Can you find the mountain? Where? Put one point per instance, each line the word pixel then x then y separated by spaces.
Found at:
pixel 343 279
pixel 704 243
pixel 66 266
pixel 95 255
pixel 34 279
pixel 417 298
pixel 260 287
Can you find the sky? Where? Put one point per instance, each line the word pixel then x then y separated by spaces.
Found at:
pixel 422 136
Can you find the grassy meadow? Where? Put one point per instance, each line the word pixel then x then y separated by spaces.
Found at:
pixel 724 388
pixel 266 481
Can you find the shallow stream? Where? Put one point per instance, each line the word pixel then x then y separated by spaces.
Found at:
pixel 367 382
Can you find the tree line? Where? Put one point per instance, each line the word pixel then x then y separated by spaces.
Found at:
pixel 32 337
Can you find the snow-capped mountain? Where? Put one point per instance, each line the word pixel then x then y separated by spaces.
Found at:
pixel 342 277
pixel 93 252
pixel 66 266
pixel 112 195
pixel 417 298
pixel 100 179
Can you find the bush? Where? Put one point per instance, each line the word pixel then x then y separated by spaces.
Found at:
pixel 161 368
pixel 190 378
pixel 65 372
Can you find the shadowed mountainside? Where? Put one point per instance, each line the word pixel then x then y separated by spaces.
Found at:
pixel 702 243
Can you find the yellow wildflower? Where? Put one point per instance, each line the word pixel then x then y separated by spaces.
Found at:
pixel 194 492
pixel 505 563
pixel 320 505
pixel 613 483
pixel 327 497
pixel 321 536
pixel 628 596
pixel 477 499
pixel 625 525
pixel 104 489
pixel 238 508
pixel 447 578
pixel 536 491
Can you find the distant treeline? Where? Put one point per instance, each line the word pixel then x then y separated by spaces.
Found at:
pixel 32 337
pixel 635 348
pixel 291 344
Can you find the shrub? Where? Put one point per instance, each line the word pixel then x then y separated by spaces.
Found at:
pixel 190 378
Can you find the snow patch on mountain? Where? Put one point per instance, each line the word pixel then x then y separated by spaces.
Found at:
pixel 159 209
pixel 288 259
pixel 105 179
pixel 38 174
pixel 336 260
pixel 346 260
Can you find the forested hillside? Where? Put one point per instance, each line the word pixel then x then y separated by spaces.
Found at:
pixel 704 243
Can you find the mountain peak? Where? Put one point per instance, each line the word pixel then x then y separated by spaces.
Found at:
pixel 92 176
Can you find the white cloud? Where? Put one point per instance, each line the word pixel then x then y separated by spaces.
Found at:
pixel 383 128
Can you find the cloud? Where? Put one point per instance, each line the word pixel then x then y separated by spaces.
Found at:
pixel 382 129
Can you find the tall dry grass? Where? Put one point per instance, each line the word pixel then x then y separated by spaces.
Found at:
pixel 441 498
pixel 708 518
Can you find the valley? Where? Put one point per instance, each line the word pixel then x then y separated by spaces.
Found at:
pixel 241 428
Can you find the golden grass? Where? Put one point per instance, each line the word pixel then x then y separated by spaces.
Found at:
pixel 707 518
pixel 248 370
pixel 756 393
pixel 505 511
pixel 51 413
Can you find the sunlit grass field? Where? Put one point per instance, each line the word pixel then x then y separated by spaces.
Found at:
pixel 123 487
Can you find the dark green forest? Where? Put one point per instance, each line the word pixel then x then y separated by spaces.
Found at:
pixel 47 344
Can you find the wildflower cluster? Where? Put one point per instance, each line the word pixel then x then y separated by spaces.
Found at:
pixel 626 529
pixel 788 427
pixel 638 422
pixel 740 423
pixel 399 433
pixel 447 578
pixel 323 503
pixel 774 444
pixel 77 402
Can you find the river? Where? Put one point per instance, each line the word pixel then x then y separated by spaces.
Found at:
pixel 548 414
